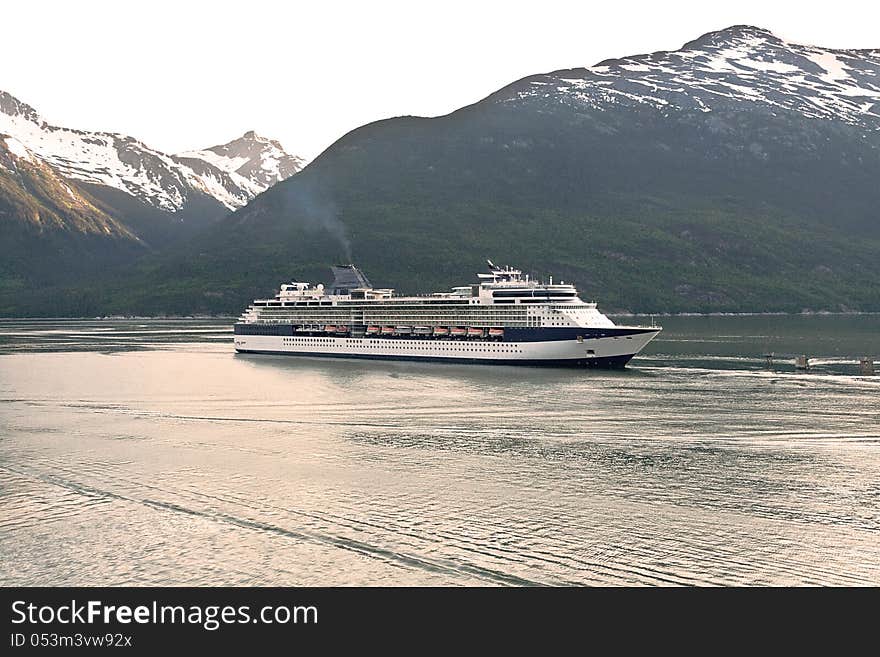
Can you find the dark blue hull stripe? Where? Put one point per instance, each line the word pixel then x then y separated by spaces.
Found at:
pixel 604 362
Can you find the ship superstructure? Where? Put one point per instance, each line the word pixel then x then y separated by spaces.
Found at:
pixel 505 317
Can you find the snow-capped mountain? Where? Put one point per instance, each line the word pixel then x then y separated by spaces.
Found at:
pixel 165 182
pixel 51 230
pixel 723 69
pixel 261 161
pixel 34 197
pixel 75 203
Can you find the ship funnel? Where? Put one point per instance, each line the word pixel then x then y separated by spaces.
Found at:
pixel 347 278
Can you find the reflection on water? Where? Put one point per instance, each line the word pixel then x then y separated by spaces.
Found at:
pixel 145 452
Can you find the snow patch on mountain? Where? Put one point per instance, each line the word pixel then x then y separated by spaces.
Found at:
pixel 261 161
pixel 741 64
pixel 220 161
pixel 17 148
pixel 40 197
pixel 163 181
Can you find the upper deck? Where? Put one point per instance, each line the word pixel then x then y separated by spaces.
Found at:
pixel 502 285
pixel 502 297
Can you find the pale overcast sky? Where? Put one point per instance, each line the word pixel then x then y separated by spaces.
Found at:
pixel 185 74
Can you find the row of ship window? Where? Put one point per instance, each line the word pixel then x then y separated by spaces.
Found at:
pixel 270 328
pixel 324 306
pixel 382 312
pixel 501 297
pixel 485 318
pixel 380 317
pixel 403 307
pixel 442 346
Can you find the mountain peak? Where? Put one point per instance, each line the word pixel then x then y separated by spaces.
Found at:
pixel 744 28
pixel 742 67
pixel 262 161
pixel 230 174
pixel 737 31
pixel 253 137
pixel 735 34
pixel 12 106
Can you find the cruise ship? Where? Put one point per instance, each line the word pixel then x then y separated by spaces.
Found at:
pixel 504 318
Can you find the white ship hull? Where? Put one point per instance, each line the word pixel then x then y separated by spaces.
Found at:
pixel 611 351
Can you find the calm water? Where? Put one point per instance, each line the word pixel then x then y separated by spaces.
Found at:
pixel 146 452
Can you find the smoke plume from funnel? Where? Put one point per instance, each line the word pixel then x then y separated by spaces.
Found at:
pixel 315 210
